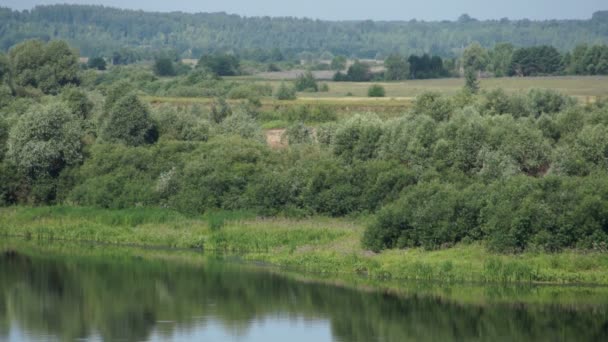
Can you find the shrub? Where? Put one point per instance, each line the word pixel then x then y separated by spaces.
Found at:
pixel 298 133
pixel 358 138
pixel 164 67
pixel 306 82
pixel 129 122
pixel 376 90
pixel 285 92
pixel 46 140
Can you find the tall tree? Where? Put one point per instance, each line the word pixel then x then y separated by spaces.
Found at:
pixel 397 68
pixel 129 123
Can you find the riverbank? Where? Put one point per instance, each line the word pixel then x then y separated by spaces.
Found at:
pixel 317 245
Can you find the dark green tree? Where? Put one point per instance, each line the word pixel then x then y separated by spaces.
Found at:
pixel 129 123
pixel 306 82
pixel 164 67
pixel 97 63
pixel 220 64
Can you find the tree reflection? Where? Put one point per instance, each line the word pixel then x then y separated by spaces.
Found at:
pixel 125 298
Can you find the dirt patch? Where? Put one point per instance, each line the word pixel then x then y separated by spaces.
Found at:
pixel 273 138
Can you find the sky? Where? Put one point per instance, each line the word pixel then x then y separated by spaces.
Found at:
pixel 359 9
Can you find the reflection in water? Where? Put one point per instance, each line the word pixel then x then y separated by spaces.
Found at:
pixel 131 299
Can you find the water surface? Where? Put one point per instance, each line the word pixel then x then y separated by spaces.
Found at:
pixel 101 293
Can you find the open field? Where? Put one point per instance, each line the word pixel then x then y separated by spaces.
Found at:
pixel 578 86
pixel 318 245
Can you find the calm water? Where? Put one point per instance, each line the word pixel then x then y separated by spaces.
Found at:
pixel 107 294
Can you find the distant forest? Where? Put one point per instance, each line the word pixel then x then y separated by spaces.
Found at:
pixel 101 31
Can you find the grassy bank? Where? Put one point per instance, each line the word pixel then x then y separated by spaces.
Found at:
pixel 317 245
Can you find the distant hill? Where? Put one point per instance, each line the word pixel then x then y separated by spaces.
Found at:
pixel 98 30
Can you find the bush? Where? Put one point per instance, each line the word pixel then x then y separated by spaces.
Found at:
pixel 46 140
pixel 358 138
pixel 298 133
pixel 164 67
pixel 376 90
pixel 306 82
pixel 285 92
pixel 129 122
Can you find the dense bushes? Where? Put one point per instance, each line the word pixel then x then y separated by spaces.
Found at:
pixel 522 171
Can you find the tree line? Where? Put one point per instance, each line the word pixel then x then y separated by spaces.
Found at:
pixel 104 31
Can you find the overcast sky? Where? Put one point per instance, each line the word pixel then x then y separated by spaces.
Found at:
pixel 360 9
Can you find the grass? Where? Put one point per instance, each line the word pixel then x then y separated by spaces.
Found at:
pixel 577 86
pixel 317 245
pixel 400 95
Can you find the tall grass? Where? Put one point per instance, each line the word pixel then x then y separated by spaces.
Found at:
pixel 320 245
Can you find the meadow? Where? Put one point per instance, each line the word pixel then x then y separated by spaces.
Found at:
pixel 577 86
pixel 319 245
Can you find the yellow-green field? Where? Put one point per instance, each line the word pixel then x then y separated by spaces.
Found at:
pixel 347 97
pixel 578 86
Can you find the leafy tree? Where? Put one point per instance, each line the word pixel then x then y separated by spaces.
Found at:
pixel 434 105
pixel 45 140
pixel 358 138
pixel 536 61
pixel 306 82
pixel 220 110
pixel 357 72
pixel 397 68
pixel 4 130
pixel 285 92
pixel 97 63
pixel 164 67
pixel 500 59
pixel 475 57
pixel 220 64
pixel 129 123
pixel 338 63
pixel 376 90
pixel 425 66
pixel 298 133
pixel 45 66
pixel 471 82
pixel 78 102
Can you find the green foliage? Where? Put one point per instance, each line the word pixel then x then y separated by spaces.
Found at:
pixel 47 67
pixel 220 64
pixel 264 40
pixel 471 83
pixel 78 102
pixel 338 63
pixel 536 61
pixel 357 72
pixel 180 124
pixel 46 140
pixel 306 82
pixel 425 66
pixel 298 133
pixel 376 90
pixel 475 58
pixel 97 63
pixel 397 68
pixel 434 105
pixel 500 59
pixel 358 138
pixel 285 92
pixel 164 67
pixel 129 123
pixel 241 124
pixel 220 110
